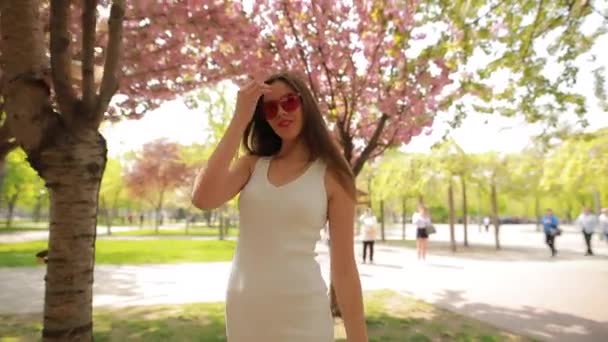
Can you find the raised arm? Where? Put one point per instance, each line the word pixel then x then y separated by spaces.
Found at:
pixel 218 182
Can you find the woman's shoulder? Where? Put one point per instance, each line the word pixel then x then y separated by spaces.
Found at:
pixel 249 161
pixel 337 178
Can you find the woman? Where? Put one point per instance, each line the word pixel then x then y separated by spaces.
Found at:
pixel 292 180
pixel 422 221
pixel 368 234
pixel 587 222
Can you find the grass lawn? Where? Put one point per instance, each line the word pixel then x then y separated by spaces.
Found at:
pixel 119 252
pixel 195 231
pixel 390 317
pixel 22 228
pixel 5 229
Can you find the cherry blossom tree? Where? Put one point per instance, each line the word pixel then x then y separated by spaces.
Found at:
pixel 157 170
pixel 357 61
pixel 54 107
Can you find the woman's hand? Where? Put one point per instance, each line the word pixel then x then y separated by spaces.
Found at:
pixel 247 99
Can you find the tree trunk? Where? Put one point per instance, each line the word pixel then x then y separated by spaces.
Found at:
pixel 207 214
pixel 37 208
pixel 479 216
pixel 465 210
pixel 11 209
pixel 106 214
pixel 495 216
pixel 382 230
pixel 451 214
pixel 221 225
pixel 537 211
pixel 73 172
pixel 71 162
pixel 403 217
pixel 158 219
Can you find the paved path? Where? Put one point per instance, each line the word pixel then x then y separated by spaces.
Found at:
pixel 519 288
pixel 562 299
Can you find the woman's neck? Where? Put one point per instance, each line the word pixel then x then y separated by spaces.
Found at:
pixel 294 150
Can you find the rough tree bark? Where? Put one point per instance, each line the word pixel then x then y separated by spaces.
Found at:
pixel 63 146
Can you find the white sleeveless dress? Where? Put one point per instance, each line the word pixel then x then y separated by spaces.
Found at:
pixel 276 292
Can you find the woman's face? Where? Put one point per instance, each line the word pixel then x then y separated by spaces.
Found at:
pixel 283 111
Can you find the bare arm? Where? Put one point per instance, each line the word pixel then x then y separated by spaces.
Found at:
pixel 344 271
pixel 218 182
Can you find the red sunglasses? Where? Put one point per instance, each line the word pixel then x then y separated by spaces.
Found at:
pixel 288 103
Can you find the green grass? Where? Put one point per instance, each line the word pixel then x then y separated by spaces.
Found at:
pixel 390 317
pixel 195 231
pixel 21 228
pixel 118 252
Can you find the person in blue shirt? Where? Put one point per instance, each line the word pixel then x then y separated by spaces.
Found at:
pixel 551 228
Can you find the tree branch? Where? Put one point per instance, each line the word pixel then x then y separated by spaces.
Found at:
pixel 88 54
pixel 367 73
pixel 300 50
pixel 371 145
pixel 526 47
pixel 345 140
pixel 109 82
pixel 61 57
pixel 495 6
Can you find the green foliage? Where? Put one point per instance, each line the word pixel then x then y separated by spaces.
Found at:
pixel 563 177
pixel 113 194
pixel 535 46
pixel 21 184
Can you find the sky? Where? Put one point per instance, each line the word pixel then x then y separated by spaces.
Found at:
pixel 478 132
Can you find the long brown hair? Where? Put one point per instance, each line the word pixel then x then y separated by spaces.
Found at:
pixel 260 139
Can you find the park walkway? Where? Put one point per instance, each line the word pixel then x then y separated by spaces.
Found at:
pixel 520 289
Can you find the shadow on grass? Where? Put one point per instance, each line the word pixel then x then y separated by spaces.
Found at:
pixel 545 325
pixel 489 253
pixel 390 317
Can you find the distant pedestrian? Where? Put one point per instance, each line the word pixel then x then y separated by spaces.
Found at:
pixel 587 222
pixel 422 220
pixel 369 233
pixel 551 228
pixel 603 220
pixel 486 223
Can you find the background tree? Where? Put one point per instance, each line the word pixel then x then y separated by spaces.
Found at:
pixel 493 168
pixel 399 177
pixel 522 57
pixel 526 174
pixel 156 171
pixel 112 194
pixel 379 98
pixel 55 115
pixel 20 183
